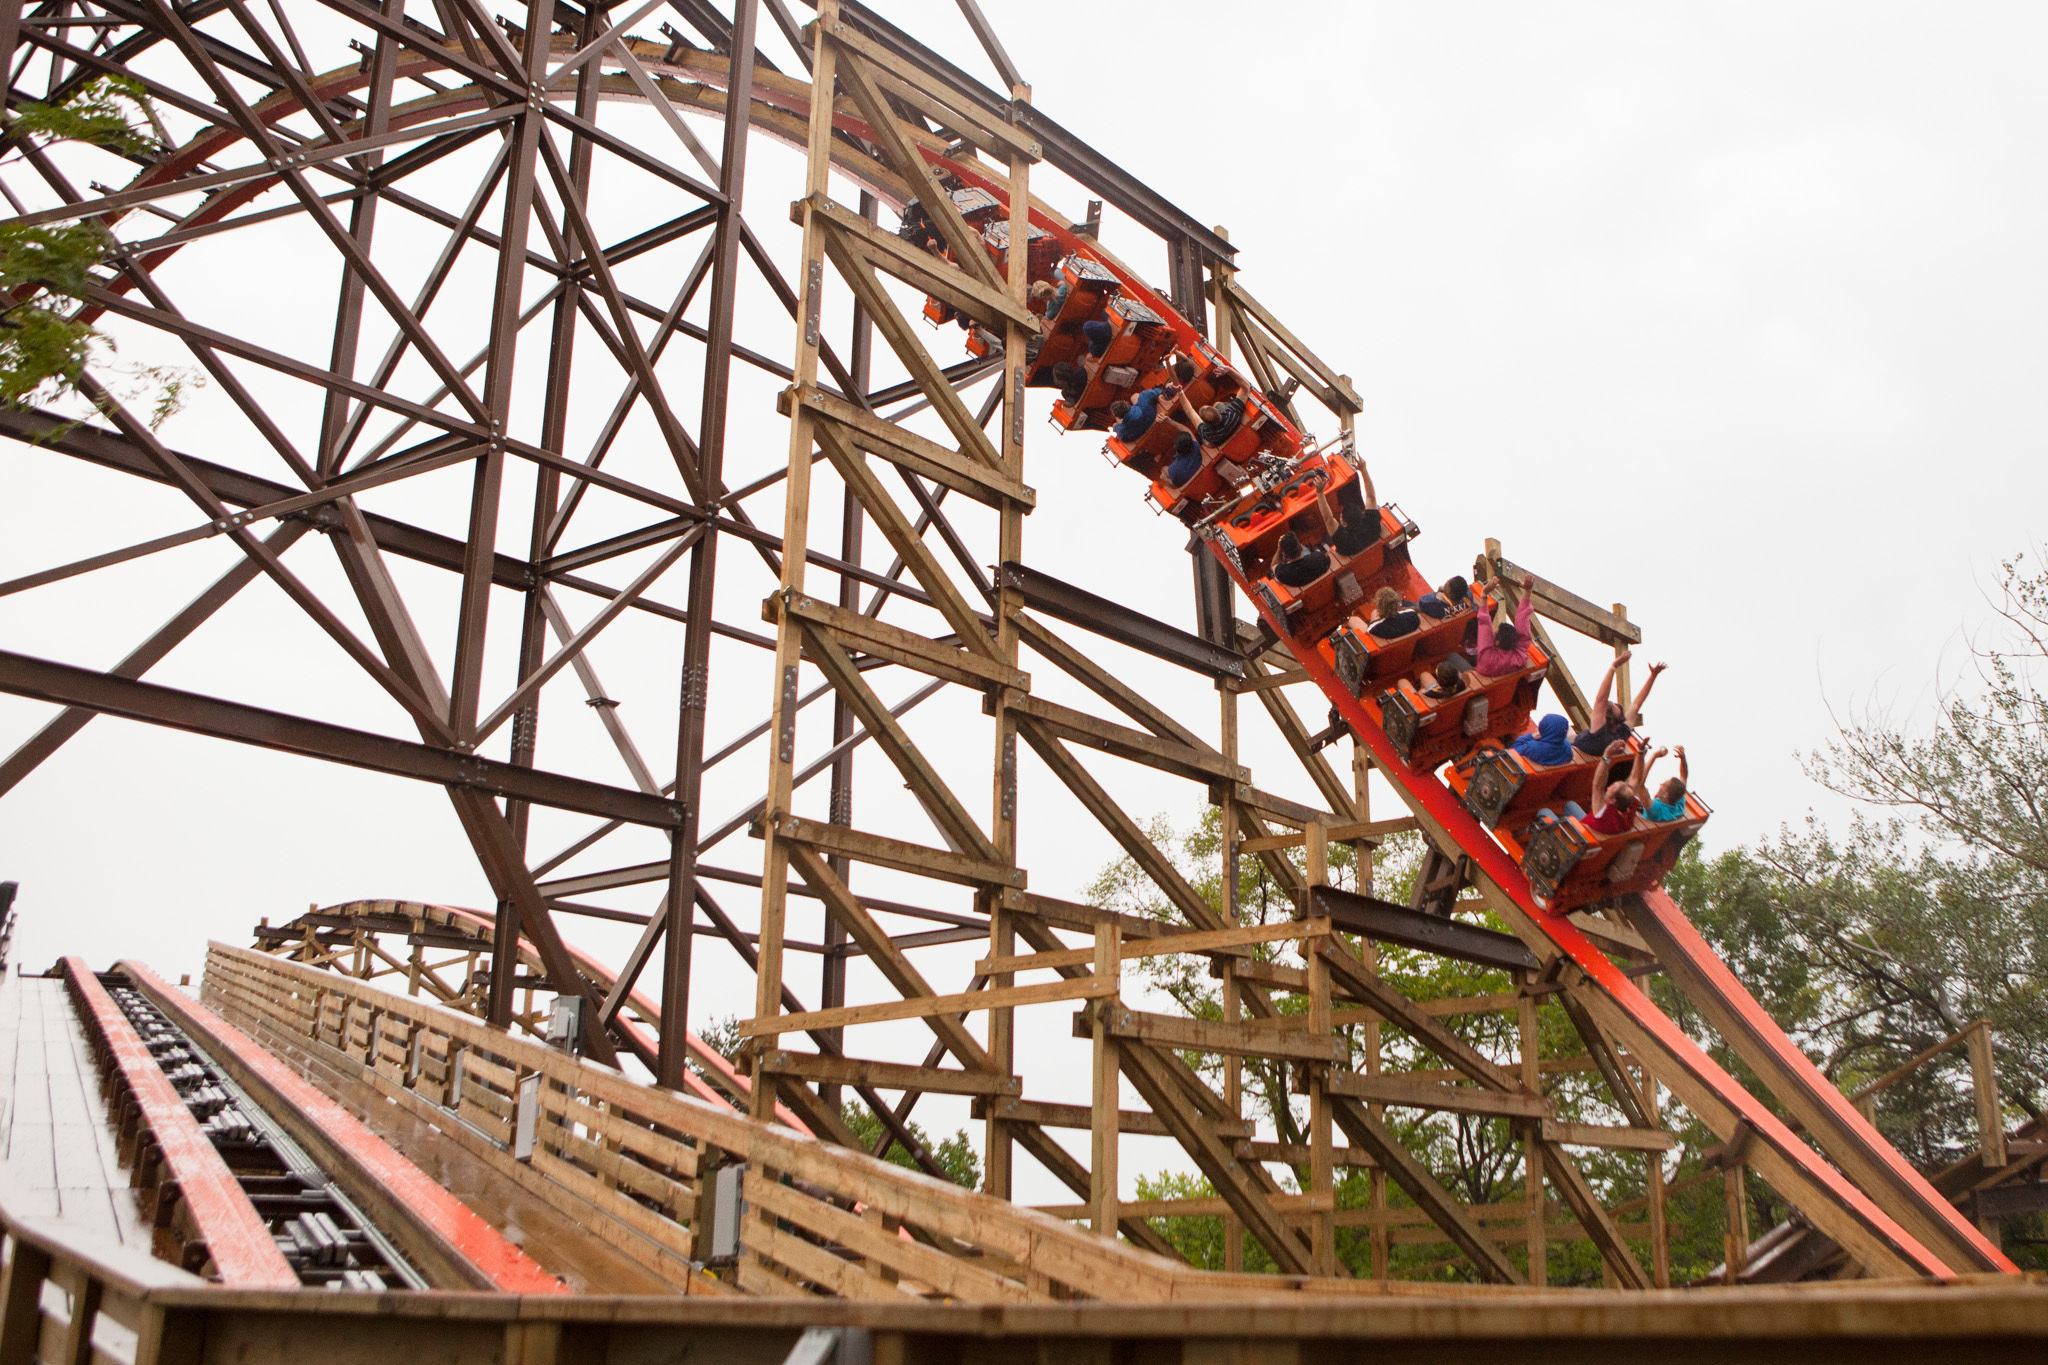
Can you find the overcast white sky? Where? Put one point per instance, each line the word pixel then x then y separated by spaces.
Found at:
pixel 1730 313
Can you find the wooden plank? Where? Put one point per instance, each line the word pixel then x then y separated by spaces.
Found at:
pixel 1139 1121
pixel 927 373
pixel 1083 918
pixel 1076 988
pixel 1199 942
pixel 932 793
pixel 950 1275
pixel 1285 811
pixel 944 106
pixel 813 1066
pixel 894 643
pixel 905 540
pixel 1569 609
pixel 1367 1131
pixel 903 856
pixel 919 268
pixel 1196 764
pixel 1393 1088
pixel 1358 832
pixel 899 445
pixel 1341 387
pixel 1079 666
pixel 1612 1138
pixel 1240 1040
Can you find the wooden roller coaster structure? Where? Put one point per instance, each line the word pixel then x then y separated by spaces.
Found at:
pixel 589 222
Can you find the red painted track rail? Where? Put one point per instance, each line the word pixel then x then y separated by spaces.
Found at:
pixel 475 1249
pixel 1876 1206
pixel 238 1243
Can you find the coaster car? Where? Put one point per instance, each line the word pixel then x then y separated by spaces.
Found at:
pixel 1570 866
pixel 1504 789
pixel 1428 732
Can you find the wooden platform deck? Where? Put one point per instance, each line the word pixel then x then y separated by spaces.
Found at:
pixel 57 1154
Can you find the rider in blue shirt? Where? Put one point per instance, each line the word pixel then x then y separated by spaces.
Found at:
pixel 1138 414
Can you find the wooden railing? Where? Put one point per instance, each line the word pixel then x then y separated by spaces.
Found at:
pixel 818 1218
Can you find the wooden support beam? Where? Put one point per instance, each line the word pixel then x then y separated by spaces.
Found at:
pixel 920 455
pixel 856 76
pixel 1205 1035
pixel 1608 1137
pixel 1283 810
pixel 1569 609
pixel 1104 1131
pixel 1393 1088
pixel 903 856
pixel 904 538
pixel 932 793
pixel 1202 941
pixel 813 1066
pixel 1168 756
pixel 899 646
pixel 1349 973
pixel 920 269
pixel 1347 397
pixel 943 106
pixel 926 1007
pixel 1356 832
pixel 1077 665
pixel 1368 1132
pixel 1137 1121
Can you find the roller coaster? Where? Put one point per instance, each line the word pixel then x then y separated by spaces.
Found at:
pixel 560 1074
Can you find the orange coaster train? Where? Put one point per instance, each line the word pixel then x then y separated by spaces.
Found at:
pixel 1255 478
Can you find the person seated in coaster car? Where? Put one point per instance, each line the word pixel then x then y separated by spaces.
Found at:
pixel 1669 803
pixel 1392 615
pixel 1548 743
pixel 1186 463
pixel 1607 722
pixel 1219 421
pixel 1454 596
pixel 1135 418
pixel 1614 803
pixel 1454 674
pixel 1072 379
pixel 1504 649
pixel 1046 298
pixel 916 228
pixel 1297 566
pixel 1358 515
pixel 1098 334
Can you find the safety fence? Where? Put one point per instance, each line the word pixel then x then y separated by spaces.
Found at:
pixel 800 1217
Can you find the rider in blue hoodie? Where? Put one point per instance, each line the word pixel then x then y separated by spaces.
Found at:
pixel 1548 746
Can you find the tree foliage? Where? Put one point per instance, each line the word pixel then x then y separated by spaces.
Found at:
pixel 46 271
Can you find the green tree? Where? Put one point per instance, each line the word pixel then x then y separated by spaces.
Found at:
pixel 955 1155
pixel 45 272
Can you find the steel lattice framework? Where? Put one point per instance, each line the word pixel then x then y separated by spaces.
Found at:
pixel 539 276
